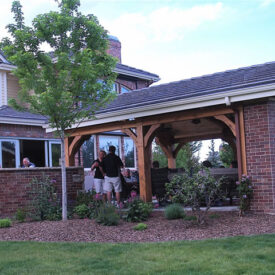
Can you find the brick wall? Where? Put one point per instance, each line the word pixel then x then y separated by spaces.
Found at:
pixel 14 184
pixel 12 130
pixel 260 149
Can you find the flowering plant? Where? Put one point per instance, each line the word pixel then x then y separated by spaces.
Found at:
pixel 245 190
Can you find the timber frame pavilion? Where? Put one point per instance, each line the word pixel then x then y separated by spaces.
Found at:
pixel 227 105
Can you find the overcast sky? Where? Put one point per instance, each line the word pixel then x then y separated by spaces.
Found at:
pixel 178 39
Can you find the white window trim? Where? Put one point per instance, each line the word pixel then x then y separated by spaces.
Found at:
pixel 50 151
pixel 135 154
pixel 17 151
pixel 46 146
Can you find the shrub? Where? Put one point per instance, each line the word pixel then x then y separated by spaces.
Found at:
pixel 138 211
pixel 245 192
pixel 107 215
pixel 193 189
pixel 214 216
pixel 190 218
pixel 82 210
pixel 84 197
pixel 5 223
pixel 174 211
pixel 20 215
pixel 140 226
pixel 45 204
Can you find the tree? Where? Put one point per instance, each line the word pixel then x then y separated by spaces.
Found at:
pixel 226 154
pixel 213 156
pixel 186 157
pixel 73 81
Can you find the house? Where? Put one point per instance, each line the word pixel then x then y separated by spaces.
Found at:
pixel 22 133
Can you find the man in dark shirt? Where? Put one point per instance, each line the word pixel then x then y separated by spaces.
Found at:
pixel 111 165
pixel 98 177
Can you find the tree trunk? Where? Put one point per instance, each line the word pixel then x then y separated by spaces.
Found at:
pixel 64 180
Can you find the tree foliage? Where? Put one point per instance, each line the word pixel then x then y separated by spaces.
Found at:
pixel 226 154
pixel 69 84
pixel 213 156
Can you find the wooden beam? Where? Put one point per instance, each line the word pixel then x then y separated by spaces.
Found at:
pixel 74 144
pixel 228 122
pixel 149 135
pixel 151 120
pixel 69 160
pixel 242 137
pixel 198 138
pixel 131 134
pixel 208 133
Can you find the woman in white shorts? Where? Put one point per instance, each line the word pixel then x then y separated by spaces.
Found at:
pixel 98 177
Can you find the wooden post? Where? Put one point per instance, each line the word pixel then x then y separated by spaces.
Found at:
pixel 144 166
pixel 69 158
pixel 242 137
pixel 238 144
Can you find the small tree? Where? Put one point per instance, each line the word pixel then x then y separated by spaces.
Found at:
pixel 226 154
pixel 194 189
pixel 213 156
pixel 68 85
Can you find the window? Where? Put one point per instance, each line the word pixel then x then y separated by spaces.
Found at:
pixel 106 141
pixel 34 150
pixel 129 152
pixel 125 90
pixel 55 153
pixel 88 152
pixel 9 154
pixel 115 87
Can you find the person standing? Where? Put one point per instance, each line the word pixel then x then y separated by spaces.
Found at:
pixel 111 166
pixel 98 176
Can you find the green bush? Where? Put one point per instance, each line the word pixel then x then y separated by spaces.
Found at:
pixel 195 188
pixel 82 210
pixel 245 192
pixel 107 215
pixel 20 215
pixel 5 223
pixel 140 226
pixel 138 211
pixel 190 218
pixel 84 197
pixel 45 204
pixel 174 211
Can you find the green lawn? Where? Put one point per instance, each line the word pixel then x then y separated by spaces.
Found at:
pixel 238 255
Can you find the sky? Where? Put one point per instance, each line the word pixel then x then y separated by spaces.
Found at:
pixel 177 39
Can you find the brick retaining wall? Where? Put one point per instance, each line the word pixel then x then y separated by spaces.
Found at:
pixel 14 185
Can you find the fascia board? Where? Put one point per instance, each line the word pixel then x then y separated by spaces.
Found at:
pixel 135 74
pixel 32 122
pixel 7 67
pixel 181 105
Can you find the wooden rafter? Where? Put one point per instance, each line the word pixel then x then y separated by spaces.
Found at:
pixel 176 151
pixel 131 134
pixel 149 135
pixel 228 122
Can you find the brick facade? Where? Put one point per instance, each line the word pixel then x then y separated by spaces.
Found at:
pixel 27 131
pixel 14 186
pixel 260 150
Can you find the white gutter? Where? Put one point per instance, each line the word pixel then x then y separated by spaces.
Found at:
pixel 136 74
pixel 7 67
pixel 180 105
pixel 20 121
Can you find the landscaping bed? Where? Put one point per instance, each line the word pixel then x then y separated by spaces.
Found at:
pixel 219 224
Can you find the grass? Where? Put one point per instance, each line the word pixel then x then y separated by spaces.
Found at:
pixel 238 255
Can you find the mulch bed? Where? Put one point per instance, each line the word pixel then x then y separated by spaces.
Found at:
pixel 224 224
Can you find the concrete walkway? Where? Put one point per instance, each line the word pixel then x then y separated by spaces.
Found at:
pixel 213 209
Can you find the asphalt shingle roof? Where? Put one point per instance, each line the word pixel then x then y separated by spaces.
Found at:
pixel 197 86
pixel 4 61
pixel 8 112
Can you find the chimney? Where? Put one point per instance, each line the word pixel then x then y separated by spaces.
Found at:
pixel 114 47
